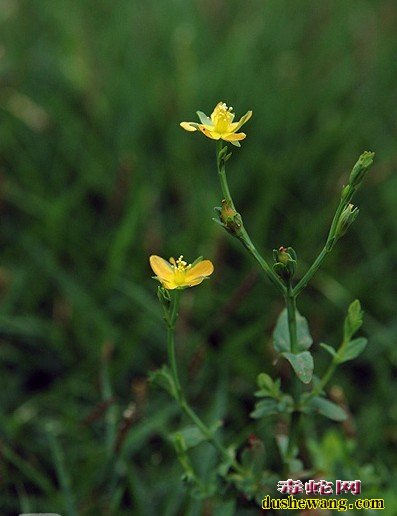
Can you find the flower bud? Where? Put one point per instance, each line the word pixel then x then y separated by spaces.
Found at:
pixel 283 256
pixel 285 262
pixel 230 218
pixel 347 217
pixel 360 168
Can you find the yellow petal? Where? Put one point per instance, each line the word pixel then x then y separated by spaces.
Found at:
pixel 195 282
pixel 216 109
pixel 232 137
pixel 198 272
pixel 162 269
pixel 189 126
pixel 208 127
pixel 208 133
pixel 169 285
pixel 236 126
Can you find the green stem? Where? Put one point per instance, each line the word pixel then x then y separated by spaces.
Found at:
pixel 171 320
pixel 243 235
pixel 325 379
pixel 62 473
pixel 290 300
pixel 293 436
pixel 247 242
pixel 180 397
pixel 222 175
pixel 111 415
pixel 345 199
pixel 328 374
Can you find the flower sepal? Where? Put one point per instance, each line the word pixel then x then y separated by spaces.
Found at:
pixel 223 156
pixel 163 294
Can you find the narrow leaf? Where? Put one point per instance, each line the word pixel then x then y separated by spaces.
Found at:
pixel 267 407
pixel 253 457
pixel 328 348
pixel 353 349
pixel 191 436
pixel 226 463
pixel 264 381
pixel 328 409
pixel 163 378
pixel 268 387
pixel 353 321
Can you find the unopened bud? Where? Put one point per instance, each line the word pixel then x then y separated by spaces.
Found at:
pixel 348 216
pixel 283 256
pixel 360 168
pixel 285 262
pixel 230 218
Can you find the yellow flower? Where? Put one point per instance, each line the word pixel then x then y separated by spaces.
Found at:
pixel 220 126
pixel 178 274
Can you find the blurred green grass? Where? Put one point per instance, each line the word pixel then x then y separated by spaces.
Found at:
pixel 96 174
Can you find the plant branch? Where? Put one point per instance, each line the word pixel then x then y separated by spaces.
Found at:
pixel 346 197
pixel 290 300
pixel 328 374
pixel 242 233
pixel 180 397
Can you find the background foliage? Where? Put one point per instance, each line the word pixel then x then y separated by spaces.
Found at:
pixel 96 175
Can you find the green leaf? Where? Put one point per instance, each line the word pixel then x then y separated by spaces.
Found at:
pixel 227 462
pixel 295 466
pixel 253 457
pixel 330 349
pixel 328 409
pixel 227 508
pixel 267 386
pixel 267 407
pixel 281 340
pixel 353 321
pixel 302 364
pixel 352 350
pixel 282 443
pixel 190 436
pixel 264 381
pixel 163 378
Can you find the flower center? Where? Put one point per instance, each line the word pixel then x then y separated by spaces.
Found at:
pixel 222 117
pixel 180 267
